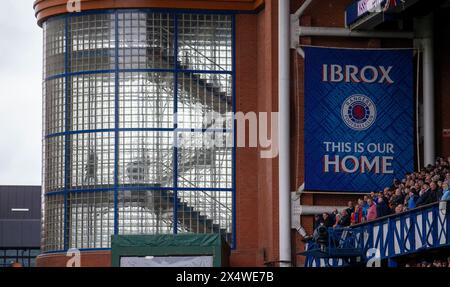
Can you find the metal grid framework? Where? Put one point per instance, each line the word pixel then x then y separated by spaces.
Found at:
pixel 131 102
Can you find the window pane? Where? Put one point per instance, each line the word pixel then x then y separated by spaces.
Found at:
pixel 204 42
pixel 91 219
pixel 146 212
pixel 54 47
pixel 146 158
pixel 92 39
pixel 146 100
pixel 92 160
pixel 53 233
pixel 146 40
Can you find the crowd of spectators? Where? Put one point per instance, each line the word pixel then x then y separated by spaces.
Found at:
pixel 429 264
pixel 418 189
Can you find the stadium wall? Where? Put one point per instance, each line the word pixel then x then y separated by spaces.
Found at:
pixel 256 178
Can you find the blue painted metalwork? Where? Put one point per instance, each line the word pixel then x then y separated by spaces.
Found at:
pixel 116 125
pixel 81 249
pixel 66 137
pixel 136 188
pixel 175 124
pixel 233 23
pixel 401 235
pixel 68 132
pixel 93 72
pixel 139 130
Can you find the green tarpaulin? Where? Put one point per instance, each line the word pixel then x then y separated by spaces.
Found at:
pixel 170 245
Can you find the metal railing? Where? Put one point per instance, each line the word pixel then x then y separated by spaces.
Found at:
pixel 420 229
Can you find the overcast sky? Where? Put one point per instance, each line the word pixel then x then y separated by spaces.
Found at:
pixel 20 94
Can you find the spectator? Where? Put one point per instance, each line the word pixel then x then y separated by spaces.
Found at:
pixel 327 221
pixel 417 189
pixel 372 211
pixel 373 196
pixel 417 186
pixel 412 199
pixel 399 209
pixel 357 215
pixel 345 219
pixel 350 208
pixel 335 213
pixel 437 264
pixel 446 191
pixel 333 217
pixel 337 224
pixel 318 220
pixel 395 184
pixel 398 197
pixel 436 193
pixel 425 196
pixel 382 208
pixel 365 207
pixel 386 192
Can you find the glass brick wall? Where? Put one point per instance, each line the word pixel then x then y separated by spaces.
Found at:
pixel 128 99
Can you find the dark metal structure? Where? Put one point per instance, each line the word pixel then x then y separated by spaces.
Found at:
pixel 20 224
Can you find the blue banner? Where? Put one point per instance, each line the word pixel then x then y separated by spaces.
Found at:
pixel 359 118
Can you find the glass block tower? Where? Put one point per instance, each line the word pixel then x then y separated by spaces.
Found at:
pixel 127 135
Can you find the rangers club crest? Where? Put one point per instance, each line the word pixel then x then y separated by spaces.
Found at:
pixel 359 112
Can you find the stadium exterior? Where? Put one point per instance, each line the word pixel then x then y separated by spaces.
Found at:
pixel 20 216
pixel 125 81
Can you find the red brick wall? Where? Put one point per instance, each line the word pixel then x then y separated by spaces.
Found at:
pixel 88 259
pixel 257 178
pixel 267 74
pixel 247 173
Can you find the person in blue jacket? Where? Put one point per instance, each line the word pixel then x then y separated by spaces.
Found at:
pixel 412 198
pixel 445 187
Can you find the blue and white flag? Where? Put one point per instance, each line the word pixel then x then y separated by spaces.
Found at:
pixel 359 118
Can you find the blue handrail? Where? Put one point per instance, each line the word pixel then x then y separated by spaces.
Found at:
pixel 417 230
